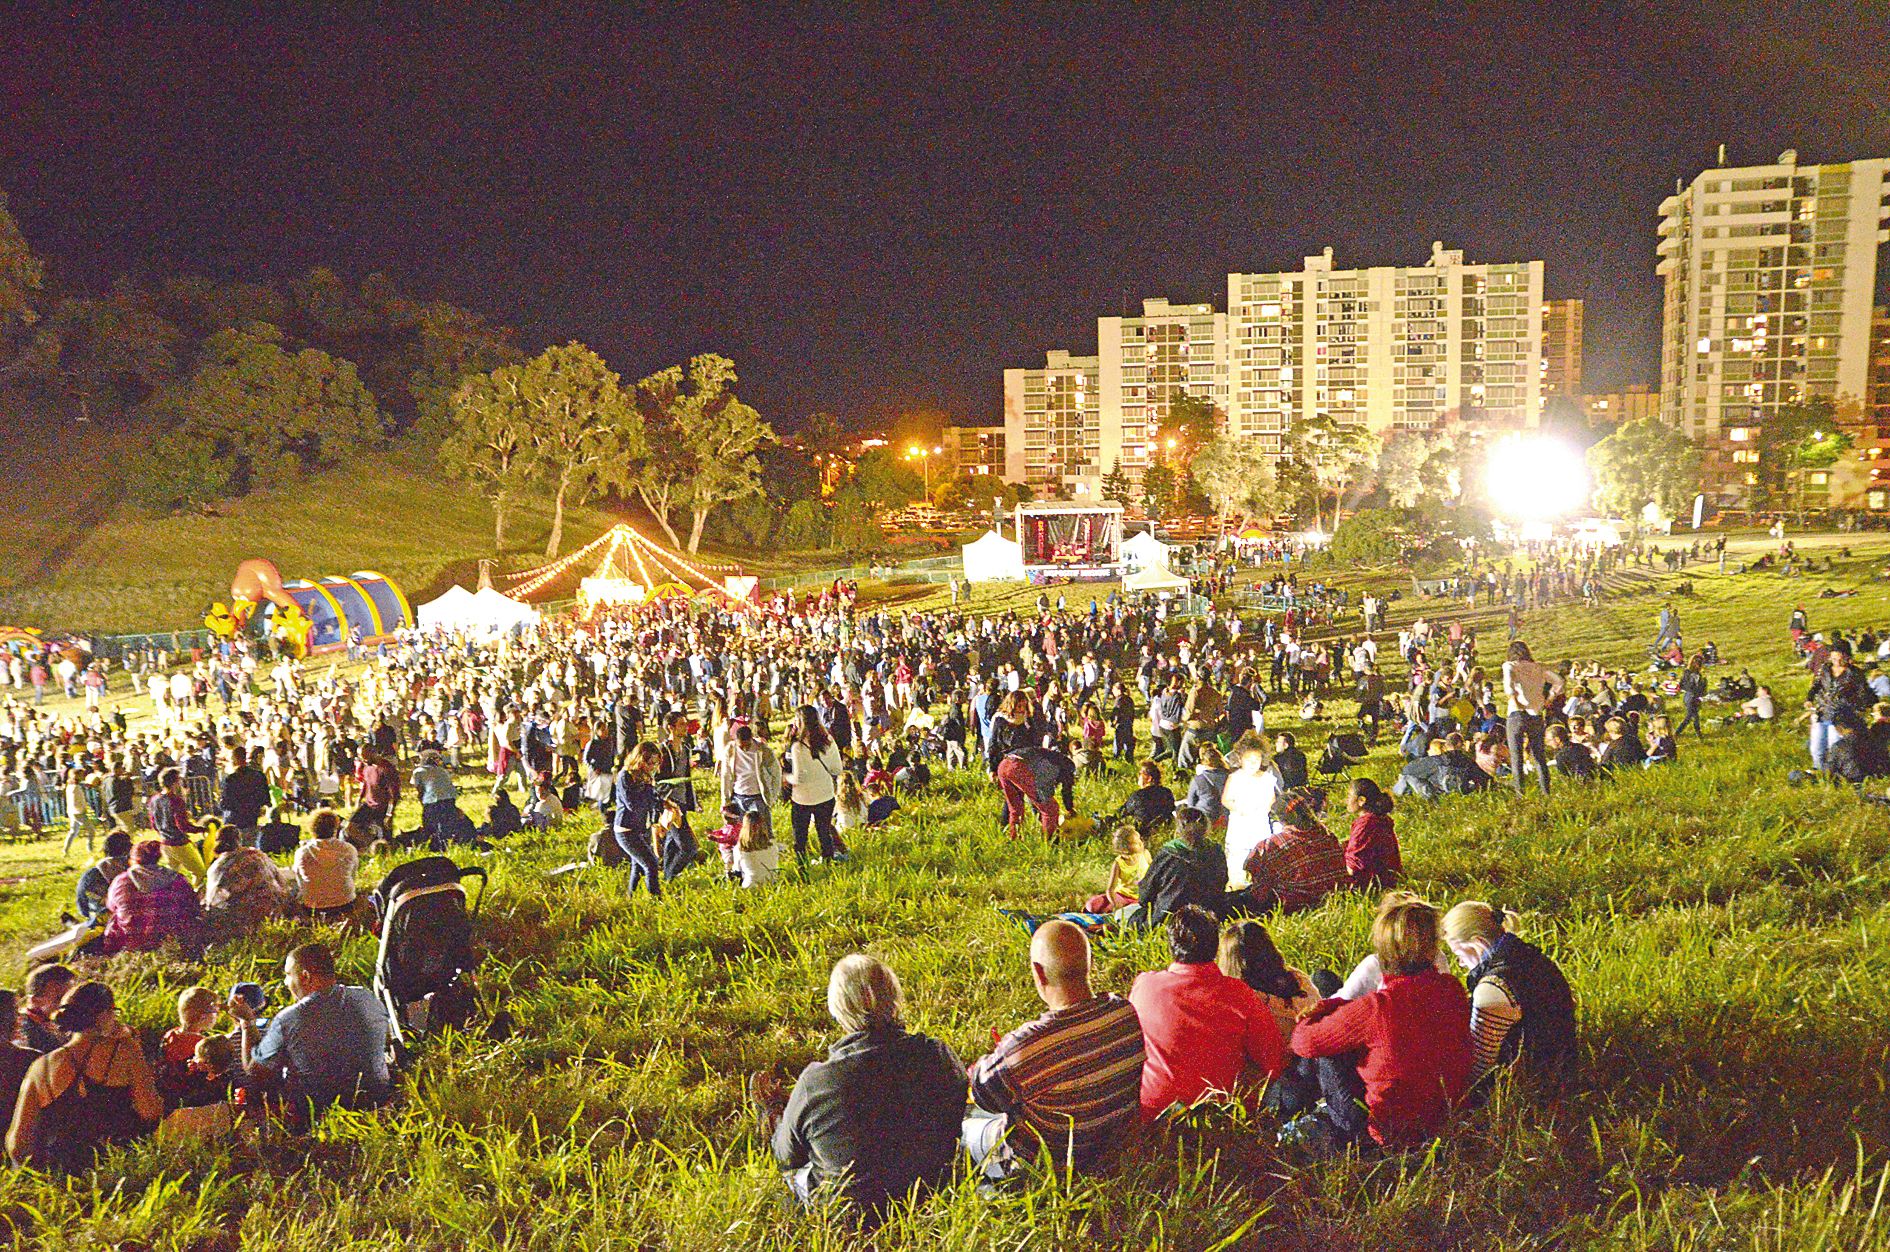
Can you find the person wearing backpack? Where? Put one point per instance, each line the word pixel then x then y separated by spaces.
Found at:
pixel 94 1091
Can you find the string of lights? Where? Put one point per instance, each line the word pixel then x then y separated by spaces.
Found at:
pixel 618 542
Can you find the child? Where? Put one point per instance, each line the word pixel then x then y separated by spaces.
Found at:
pixel 727 838
pixel 204 1110
pixel 880 803
pixel 1125 873
pixel 1662 747
pixel 757 856
pixel 543 810
pixel 197 1010
pixel 849 809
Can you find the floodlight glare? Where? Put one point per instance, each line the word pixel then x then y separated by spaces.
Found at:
pixel 1532 478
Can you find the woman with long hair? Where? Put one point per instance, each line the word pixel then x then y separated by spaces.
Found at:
pixel 1531 689
pixel 1521 1008
pixel 637 808
pixel 1372 859
pixel 813 769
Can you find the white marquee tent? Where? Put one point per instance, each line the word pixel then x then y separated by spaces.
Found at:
pixel 1156 578
pixel 993 558
pixel 1143 549
pixel 485 611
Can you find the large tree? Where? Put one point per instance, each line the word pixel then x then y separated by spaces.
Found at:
pixel 490 444
pixel 1792 440
pixel 587 431
pixel 1184 429
pixel 1337 454
pixel 450 344
pixel 106 350
pixel 1236 474
pixel 21 274
pixel 1644 462
pixel 885 481
pixel 703 441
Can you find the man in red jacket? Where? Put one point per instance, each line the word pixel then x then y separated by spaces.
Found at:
pixel 1413 1031
pixel 1201 1030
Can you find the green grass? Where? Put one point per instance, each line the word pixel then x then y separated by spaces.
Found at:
pixel 1722 932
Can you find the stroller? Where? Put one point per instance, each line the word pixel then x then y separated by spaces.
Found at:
pixel 423 973
pixel 1341 753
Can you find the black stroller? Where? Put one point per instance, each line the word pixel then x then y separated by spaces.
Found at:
pixel 1341 753
pixel 424 972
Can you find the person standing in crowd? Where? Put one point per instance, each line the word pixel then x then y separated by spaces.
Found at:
pixel 169 815
pixel 676 786
pixel 245 796
pixel 1836 686
pixel 1532 690
pixel 635 811
pixel 813 769
pixel 1251 792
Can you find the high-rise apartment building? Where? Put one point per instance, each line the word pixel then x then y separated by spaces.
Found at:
pixel 1145 363
pixel 1769 275
pixel 1562 349
pixel 1878 400
pixel 1053 425
pixel 1630 404
pixel 973 449
pixel 1387 348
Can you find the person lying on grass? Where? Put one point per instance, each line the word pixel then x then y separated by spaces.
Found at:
pixel 1066 1085
pixel 881 1116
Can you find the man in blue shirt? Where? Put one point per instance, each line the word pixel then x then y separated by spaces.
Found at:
pixel 331 1044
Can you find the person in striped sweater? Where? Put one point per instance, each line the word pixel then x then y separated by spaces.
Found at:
pixel 1521 1009
pixel 1067 1084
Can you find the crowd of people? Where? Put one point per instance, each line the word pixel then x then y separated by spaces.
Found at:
pixel 257 794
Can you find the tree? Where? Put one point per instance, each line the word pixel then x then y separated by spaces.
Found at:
pixel 490 443
pixel 855 527
pixel 1793 440
pixel 805 526
pixel 1116 485
pixel 1158 489
pixel 1189 423
pixel 885 481
pixel 112 349
pixel 21 274
pixel 450 345
pixel 177 469
pixel 587 432
pixel 1644 462
pixel 1401 467
pixel 1337 454
pixel 1368 537
pixel 269 414
pixel 703 441
pixel 1236 474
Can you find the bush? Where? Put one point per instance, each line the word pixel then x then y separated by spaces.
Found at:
pixel 1368 537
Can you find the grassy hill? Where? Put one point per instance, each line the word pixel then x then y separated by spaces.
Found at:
pixel 74 555
pixel 1721 929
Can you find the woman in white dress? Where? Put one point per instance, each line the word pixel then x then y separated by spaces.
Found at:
pixel 1248 798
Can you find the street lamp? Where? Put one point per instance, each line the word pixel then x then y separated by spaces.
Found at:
pixel 924 458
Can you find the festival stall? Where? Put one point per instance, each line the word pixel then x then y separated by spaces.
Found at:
pixel 1157 578
pixel 485 612
pixel 993 558
pixel 1143 549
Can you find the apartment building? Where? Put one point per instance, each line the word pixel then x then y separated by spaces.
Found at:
pixel 1053 425
pixel 1562 349
pixel 973 450
pixel 1769 273
pixel 1387 348
pixel 1878 401
pixel 1630 404
pixel 1145 363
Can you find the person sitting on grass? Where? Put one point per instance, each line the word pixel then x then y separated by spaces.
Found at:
pixel 881 1116
pixel 1372 858
pixel 1622 747
pixel 244 887
pixel 1125 872
pixel 503 818
pixel 97 880
pixel 1521 1009
pixel 45 987
pixel 327 1048
pixel 881 803
pixel 15 1057
pixel 849 804
pixel 1205 1034
pixel 543 810
pixel 1150 806
pixel 1571 757
pixel 1662 747
pixel 148 904
pixel 1410 1038
pixel 1186 870
pixel 1210 779
pixel 757 856
pixel 203 1110
pixel 197 1010
pixel 1068 1084
pixel 324 869
pixel 92 1092
pixel 1300 866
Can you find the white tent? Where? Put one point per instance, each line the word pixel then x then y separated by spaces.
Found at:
pixel 498 612
pixel 448 611
pixel 1143 549
pixel 1157 578
pixel 993 558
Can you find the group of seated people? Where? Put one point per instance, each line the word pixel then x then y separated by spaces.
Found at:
pixel 75 1080
pixel 1379 1061
pixel 141 901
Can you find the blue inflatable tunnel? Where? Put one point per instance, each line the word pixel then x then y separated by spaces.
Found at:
pixel 336 606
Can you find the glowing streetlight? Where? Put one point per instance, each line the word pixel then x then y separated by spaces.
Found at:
pixel 924 457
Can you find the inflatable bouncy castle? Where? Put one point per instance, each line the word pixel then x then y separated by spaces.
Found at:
pixel 306 617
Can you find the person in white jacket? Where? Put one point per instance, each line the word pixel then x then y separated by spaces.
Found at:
pixel 813 780
pixel 750 772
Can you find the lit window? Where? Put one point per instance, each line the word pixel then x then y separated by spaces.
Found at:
pixel 1739 434
pixel 1704 346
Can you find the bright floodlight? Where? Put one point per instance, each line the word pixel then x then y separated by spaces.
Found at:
pixel 1533 478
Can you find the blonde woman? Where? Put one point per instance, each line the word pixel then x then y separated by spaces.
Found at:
pixel 1249 796
pixel 1521 1008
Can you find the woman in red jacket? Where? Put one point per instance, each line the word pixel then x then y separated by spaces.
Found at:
pixel 1372 861
pixel 1411 1037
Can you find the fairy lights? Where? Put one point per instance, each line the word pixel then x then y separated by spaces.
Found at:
pixel 617 543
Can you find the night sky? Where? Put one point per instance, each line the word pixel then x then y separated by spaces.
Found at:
pixel 877 215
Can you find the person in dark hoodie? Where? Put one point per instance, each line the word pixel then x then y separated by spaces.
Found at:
pixel 1522 1012
pixel 1188 869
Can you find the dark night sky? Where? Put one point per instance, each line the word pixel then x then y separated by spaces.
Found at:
pixel 879 214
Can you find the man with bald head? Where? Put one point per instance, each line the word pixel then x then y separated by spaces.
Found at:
pixel 1067 1084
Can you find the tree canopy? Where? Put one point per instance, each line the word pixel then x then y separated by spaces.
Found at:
pixel 1644 462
